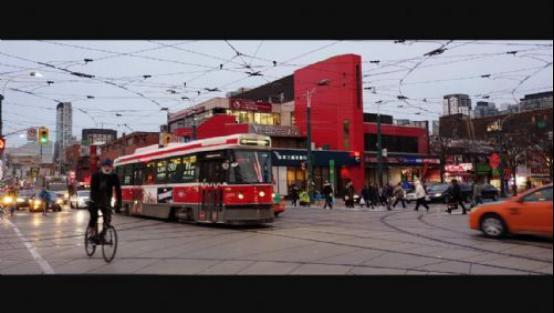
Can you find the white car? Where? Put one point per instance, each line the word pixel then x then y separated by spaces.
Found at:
pixel 79 200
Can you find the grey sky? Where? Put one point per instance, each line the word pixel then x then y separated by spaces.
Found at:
pixel 171 63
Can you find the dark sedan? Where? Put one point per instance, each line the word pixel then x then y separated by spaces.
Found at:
pixel 439 192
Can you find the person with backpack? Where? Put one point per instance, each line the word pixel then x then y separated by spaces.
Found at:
pixel 420 196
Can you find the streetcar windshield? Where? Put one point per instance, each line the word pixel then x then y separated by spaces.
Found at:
pixel 248 167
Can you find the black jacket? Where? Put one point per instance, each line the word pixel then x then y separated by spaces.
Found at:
pixel 102 197
pixel 327 190
pixel 456 192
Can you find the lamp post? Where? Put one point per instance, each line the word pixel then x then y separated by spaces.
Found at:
pixel 379 150
pixel 309 93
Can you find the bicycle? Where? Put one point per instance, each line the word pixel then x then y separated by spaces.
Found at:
pixel 108 242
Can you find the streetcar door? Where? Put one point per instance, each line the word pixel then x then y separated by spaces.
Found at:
pixel 212 176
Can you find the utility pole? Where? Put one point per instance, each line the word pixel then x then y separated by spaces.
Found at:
pixel 1 124
pixel 379 150
pixel 309 141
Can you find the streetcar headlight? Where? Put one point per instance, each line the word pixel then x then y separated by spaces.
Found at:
pixel 240 195
pixel 261 194
pixel 20 200
pixel 8 200
pixel 438 194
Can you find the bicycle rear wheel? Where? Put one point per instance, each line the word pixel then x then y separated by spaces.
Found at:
pixel 109 246
pixel 90 246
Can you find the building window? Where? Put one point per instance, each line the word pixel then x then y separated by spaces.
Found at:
pixel 346 134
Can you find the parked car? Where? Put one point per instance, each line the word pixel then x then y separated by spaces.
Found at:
pixel 528 213
pixel 438 193
pixel 79 199
pixel 55 204
pixel 490 192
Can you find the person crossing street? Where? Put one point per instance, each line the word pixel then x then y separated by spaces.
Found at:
pixel 328 194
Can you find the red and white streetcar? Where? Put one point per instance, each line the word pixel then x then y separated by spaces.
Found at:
pixel 217 180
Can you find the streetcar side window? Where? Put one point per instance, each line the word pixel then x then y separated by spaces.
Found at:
pixel 161 171
pixel 119 172
pixel 150 173
pixel 190 168
pixel 175 170
pixel 138 175
pixel 127 174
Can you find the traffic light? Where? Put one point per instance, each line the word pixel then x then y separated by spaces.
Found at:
pixel 43 135
pixel 2 144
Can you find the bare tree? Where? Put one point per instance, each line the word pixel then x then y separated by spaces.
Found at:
pixel 441 146
pixel 540 145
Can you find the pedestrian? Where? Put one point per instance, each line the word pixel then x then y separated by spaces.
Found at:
pixel 477 189
pixel 528 184
pixel 44 196
pixel 304 198
pixel 383 196
pixel 420 196
pixel 399 195
pixel 294 195
pixel 455 193
pixel 373 195
pixel 349 195
pixel 328 195
pixel 366 196
pixel 389 195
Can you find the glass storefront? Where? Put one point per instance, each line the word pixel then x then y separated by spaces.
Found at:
pixel 251 117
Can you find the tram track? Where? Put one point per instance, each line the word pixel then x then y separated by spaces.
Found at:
pixel 547 246
pixel 383 220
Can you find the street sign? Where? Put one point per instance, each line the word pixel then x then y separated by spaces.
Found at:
pixel 31 134
pixel 494 160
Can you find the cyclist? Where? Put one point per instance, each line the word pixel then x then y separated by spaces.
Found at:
pixel 102 185
pixel 44 196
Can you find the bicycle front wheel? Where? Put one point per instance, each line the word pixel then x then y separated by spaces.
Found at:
pixel 90 246
pixel 109 246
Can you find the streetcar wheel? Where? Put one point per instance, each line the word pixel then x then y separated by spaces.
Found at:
pixel 493 226
pixel 90 247
pixel 109 246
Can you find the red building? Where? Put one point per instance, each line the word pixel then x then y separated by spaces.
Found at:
pixel 342 133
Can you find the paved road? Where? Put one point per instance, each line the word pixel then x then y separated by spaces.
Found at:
pixel 301 241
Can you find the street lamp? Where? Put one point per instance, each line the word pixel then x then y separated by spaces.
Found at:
pixel 309 93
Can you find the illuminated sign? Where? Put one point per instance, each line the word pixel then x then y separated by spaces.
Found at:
pixel 462 167
pixel 249 105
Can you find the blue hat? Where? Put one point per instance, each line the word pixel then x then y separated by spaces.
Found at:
pixel 107 162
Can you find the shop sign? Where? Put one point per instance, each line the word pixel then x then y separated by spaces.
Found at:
pixel 462 167
pixel 249 105
pixel 274 130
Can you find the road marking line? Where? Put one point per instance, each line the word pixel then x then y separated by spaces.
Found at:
pixel 46 268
